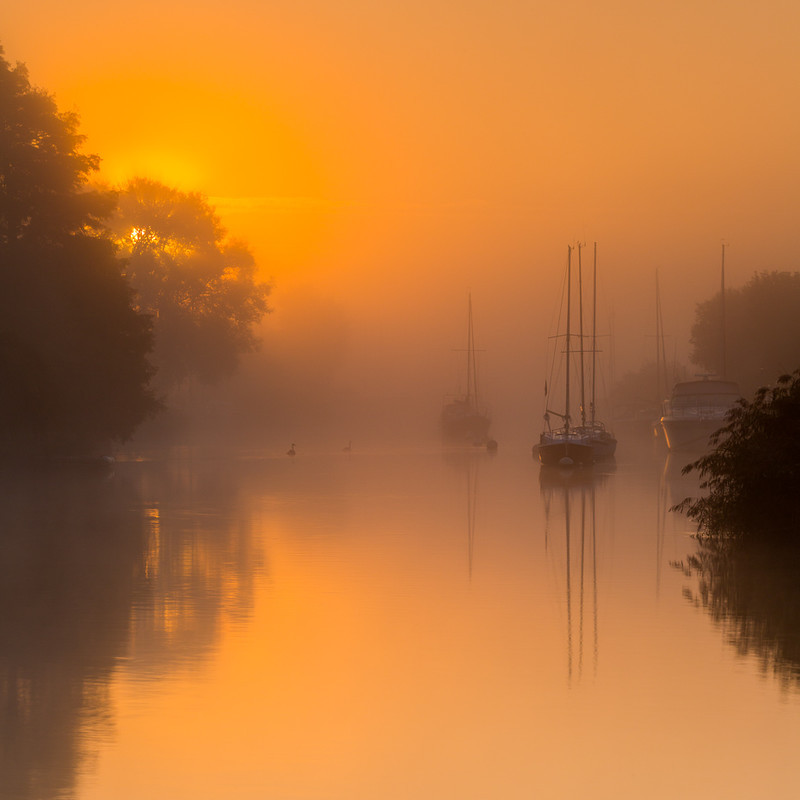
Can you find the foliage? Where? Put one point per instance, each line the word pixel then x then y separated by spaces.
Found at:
pixel 201 288
pixel 751 589
pixel 753 471
pixel 43 195
pixel 73 352
pixel 762 327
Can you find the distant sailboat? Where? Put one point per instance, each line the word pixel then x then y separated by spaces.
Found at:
pixel 463 418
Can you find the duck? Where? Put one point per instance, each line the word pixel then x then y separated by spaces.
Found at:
pixel 291 450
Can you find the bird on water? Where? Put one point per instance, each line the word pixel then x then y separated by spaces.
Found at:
pixel 290 451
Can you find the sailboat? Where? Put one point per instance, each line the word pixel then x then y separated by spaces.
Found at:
pixel 698 408
pixel 603 442
pixel 588 441
pixel 564 445
pixel 463 418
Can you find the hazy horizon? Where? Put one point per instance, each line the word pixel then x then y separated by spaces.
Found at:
pixel 384 161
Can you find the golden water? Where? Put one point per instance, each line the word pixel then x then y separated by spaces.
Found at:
pixel 387 624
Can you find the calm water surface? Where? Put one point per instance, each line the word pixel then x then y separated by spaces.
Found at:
pixel 411 623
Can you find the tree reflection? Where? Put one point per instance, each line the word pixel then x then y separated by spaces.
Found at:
pixel 140 568
pixel 200 563
pixel 68 551
pixel 753 592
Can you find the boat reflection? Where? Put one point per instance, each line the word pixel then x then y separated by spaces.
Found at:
pixel 570 504
pixel 466 464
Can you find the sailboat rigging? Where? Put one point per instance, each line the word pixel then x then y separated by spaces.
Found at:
pixel 463 417
pixel 588 441
pixel 604 444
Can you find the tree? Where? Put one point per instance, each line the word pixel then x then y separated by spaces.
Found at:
pixel 762 330
pixel 753 471
pixel 73 352
pixel 200 287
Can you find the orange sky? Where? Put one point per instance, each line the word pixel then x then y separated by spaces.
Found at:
pixel 396 155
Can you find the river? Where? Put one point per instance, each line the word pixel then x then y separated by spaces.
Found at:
pixel 385 624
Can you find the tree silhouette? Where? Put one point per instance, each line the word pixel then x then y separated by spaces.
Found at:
pixel 762 326
pixel 73 352
pixel 200 287
pixel 752 473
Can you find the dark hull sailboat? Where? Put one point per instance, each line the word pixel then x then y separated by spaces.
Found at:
pixel 463 419
pixel 585 443
pixel 560 448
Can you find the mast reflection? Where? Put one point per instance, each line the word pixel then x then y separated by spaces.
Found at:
pixel 573 492
pixel 466 463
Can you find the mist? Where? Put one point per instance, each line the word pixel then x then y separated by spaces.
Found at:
pixel 367 353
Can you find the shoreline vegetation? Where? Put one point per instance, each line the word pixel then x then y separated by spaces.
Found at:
pixel 752 473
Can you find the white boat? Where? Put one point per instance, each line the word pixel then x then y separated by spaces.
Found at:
pixel 695 410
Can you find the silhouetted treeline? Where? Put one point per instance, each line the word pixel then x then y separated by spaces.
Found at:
pixel 73 351
pixel 762 331
pixel 105 295
pixel 753 471
pixel 200 287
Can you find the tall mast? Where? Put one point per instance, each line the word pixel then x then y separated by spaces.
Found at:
pixel 569 308
pixel 722 301
pixel 661 356
pixel 580 338
pixel 472 388
pixel 594 328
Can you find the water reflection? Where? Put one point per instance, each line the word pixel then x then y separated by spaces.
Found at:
pixel 573 493
pixel 101 572
pixel 70 549
pixel 369 625
pixel 200 563
pixel 466 463
pixel 752 592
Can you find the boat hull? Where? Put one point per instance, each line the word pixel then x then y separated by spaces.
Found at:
pixel 470 428
pixel 689 434
pixel 602 441
pixel 561 451
pixel 695 410
pixel 603 447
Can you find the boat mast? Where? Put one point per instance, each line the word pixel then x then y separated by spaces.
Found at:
pixel 580 338
pixel 722 302
pixel 661 355
pixel 569 308
pixel 472 367
pixel 594 329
